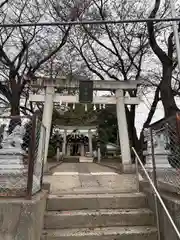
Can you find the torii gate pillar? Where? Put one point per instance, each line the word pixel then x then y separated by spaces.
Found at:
pixel 123 131
pixel 47 118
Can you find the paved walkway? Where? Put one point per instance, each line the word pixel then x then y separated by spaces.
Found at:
pixel 89 178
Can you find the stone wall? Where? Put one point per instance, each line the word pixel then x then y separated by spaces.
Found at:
pixel 22 219
pixel 172 202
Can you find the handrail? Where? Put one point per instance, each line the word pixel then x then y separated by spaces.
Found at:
pixel 157 194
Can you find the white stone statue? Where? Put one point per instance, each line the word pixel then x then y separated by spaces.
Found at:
pixel 13 170
pixel 18 134
pixel 15 139
pixel 5 134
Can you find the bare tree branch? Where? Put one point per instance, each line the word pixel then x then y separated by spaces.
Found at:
pixel 152 39
pixel 3 3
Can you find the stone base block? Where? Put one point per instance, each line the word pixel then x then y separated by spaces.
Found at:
pixel 22 219
pixel 161 161
pixel 16 185
pixel 46 186
pixel 128 168
pixel 86 159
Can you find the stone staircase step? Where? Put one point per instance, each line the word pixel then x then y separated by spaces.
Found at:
pixel 85 159
pixel 96 201
pixel 109 233
pixel 71 159
pixel 95 190
pixel 98 218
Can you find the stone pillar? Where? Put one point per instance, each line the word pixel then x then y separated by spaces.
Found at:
pixel 123 131
pixel 64 143
pixel 68 150
pixel 82 150
pixel 47 119
pixel 58 154
pixel 98 151
pixel 99 154
pixel 90 142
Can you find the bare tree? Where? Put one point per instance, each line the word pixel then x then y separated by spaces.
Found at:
pixel 114 51
pixel 167 59
pixel 24 50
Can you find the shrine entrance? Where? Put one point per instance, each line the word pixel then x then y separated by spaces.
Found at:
pixel 77 144
pixel 120 98
pixel 77 140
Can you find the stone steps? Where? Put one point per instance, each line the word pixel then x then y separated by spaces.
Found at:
pixel 110 233
pixel 108 215
pixel 98 218
pixel 96 201
pixel 81 159
pixel 71 159
pixel 85 159
pixel 117 216
pixel 96 190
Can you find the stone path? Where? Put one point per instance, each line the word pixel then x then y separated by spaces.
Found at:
pixel 89 178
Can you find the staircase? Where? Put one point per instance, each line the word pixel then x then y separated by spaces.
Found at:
pixel 71 159
pixel 76 159
pixel 117 216
pixel 85 159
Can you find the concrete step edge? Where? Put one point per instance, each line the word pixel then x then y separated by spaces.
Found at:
pixel 94 191
pixel 94 195
pixel 79 232
pixel 97 212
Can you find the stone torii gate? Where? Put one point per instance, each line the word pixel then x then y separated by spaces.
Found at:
pixel 50 97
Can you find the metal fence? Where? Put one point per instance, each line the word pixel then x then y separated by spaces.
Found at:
pixel 157 203
pixel 22 140
pixel 162 152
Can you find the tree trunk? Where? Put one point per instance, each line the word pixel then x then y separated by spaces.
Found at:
pixel 15 108
pixel 15 111
pixel 134 141
pixel 167 97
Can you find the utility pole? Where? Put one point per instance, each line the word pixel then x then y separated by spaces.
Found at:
pixel 175 30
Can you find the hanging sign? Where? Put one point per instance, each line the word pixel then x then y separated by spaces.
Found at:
pixel 85 91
